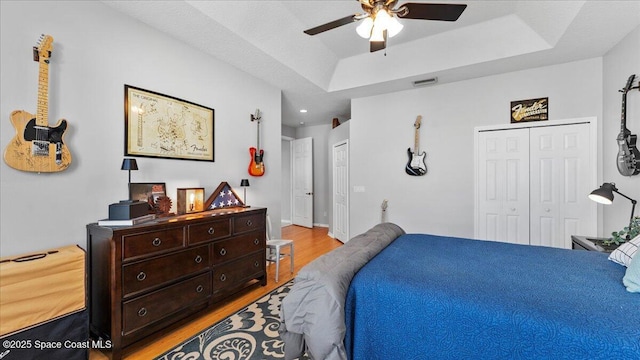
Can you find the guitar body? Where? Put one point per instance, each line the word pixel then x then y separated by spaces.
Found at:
pixel 37 148
pixel 256 166
pixel 416 165
pixel 628 160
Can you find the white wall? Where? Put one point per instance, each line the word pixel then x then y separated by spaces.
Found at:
pixel 441 202
pixel 619 63
pixel 96 51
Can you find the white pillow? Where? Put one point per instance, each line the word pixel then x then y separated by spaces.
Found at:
pixel 625 252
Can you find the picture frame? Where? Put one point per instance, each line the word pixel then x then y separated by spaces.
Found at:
pixel 148 192
pixel 529 110
pixel 163 126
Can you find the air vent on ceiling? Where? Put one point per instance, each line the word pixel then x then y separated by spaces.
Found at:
pixel 425 82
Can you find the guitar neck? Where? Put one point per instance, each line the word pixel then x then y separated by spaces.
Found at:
pixel 43 92
pixel 417 142
pixel 258 136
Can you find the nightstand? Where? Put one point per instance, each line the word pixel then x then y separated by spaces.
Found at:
pixel 588 243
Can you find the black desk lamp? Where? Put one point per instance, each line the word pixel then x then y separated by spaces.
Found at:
pixel 244 183
pixel 129 164
pixel 604 195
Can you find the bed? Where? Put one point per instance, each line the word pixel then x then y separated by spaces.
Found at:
pixel 432 297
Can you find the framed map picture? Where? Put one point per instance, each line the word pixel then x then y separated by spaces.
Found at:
pixel 162 126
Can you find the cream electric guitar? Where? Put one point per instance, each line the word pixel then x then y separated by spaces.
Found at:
pixel 416 165
pixel 37 147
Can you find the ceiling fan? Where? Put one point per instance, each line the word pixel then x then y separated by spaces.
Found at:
pixel 380 22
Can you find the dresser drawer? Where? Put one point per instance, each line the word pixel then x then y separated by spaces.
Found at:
pixel 147 274
pixel 235 247
pixel 237 272
pixel 209 231
pixel 248 223
pixel 152 242
pixel 163 303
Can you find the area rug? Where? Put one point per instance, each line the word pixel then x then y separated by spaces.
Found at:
pixel 249 334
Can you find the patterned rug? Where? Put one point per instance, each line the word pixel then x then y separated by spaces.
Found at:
pixel 249 334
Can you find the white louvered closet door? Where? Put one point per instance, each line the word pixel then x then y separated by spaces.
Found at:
pixel 560 166
pixel 503 166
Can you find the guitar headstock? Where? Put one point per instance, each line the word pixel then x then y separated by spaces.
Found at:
pixel 418 122
pixel 384 205
pixel 629 84
pixel 257 116
pixel 44 48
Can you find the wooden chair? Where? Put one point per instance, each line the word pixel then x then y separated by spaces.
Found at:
pixel 274 249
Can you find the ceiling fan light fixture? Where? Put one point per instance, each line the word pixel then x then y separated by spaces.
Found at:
pixel 364 29
pixel 394 27
pixel 382 19
pixel 377 34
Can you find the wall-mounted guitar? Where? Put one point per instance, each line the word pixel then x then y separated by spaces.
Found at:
pixel 37 147
pixel 256 166
pixel 628 154
pixel 416 165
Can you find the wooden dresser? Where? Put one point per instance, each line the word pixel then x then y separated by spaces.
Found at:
pixel 145 277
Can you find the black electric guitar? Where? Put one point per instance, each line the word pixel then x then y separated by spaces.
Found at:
pixel 628 155
pixel 416 165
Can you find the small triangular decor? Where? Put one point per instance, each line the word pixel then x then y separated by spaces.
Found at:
pixel 223 197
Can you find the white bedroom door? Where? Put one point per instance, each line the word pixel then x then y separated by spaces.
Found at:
pixel 341 191
pixel 503 198
pixel 303 182
pixel 559 167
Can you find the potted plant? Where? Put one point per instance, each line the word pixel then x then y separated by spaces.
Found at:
pixel 628 232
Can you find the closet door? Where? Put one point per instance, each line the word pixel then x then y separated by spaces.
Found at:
pixel 560 169
pixel 503 188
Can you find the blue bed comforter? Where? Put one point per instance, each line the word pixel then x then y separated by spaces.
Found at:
pixel 434 297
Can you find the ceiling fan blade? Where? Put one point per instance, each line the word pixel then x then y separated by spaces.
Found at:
pixel 378 45
pixel 332 25
pixel 443 12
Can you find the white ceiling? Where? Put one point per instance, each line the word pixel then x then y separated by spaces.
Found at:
pixel 322 73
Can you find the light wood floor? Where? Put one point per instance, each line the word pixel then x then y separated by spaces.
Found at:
pixel 308 245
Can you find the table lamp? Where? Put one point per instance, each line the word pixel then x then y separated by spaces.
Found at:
pixel 604 195
pixel 244 183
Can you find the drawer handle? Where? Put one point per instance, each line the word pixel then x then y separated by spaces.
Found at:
pixel 256 241
pixel 249 222
pixel 142 312
pixel 199 289
pixel 141 276
pixel 198 259
pixel 156 242
pixel 223 252
pixel 211 230
pixel 223 277
pixel 256 264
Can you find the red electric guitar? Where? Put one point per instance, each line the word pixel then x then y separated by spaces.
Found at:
pixel 256 166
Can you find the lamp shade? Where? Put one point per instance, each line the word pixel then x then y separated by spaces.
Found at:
pixel 244 182
pixel 603 194
pixel 129 164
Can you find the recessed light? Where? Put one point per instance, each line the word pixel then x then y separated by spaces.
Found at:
pixel 303 110
pixel 301 122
